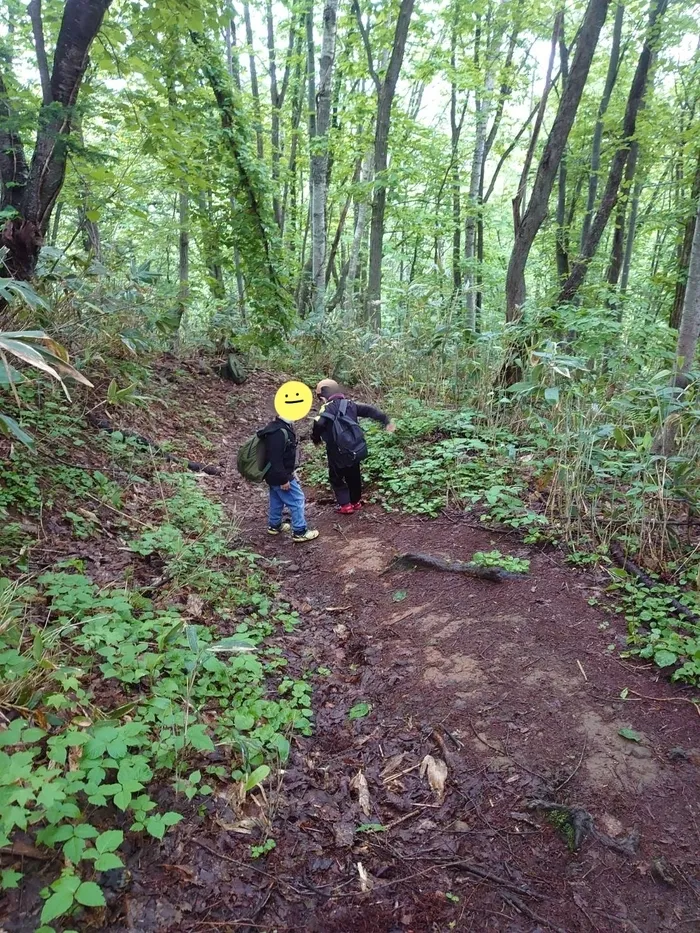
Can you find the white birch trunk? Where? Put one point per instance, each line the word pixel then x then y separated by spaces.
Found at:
pixel 473 205
pixel 319 159
pixel 360 229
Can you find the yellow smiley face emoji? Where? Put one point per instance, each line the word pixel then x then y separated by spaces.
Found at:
pixel 293 401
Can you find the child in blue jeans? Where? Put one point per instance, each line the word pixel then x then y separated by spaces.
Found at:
pixel 281 453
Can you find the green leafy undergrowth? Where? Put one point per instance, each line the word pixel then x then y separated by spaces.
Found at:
pixel 33 481
pixel 439 457
pixel 504 561
pixel 113 694
pixel 657 631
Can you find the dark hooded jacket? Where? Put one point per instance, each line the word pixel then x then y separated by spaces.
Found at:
pixel 322 429
pixel 280 450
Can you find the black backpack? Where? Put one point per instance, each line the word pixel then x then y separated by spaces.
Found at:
pixel 347 436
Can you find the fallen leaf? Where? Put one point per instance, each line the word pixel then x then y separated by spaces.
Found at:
pixel 359 711
pixel 630 735
pixel 194 606
pixel 344 834
pixel 244 827
pixel 436 770
pixel 392 766
pixel 366 882
pixel 359 783
pixel 26 850
pixel 611 825
pixel 661 870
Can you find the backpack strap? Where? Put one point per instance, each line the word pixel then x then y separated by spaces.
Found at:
pixel 342 409
pixel 283 430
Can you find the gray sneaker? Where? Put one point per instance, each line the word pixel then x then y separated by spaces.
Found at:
pixel 285 526
pixel 307 535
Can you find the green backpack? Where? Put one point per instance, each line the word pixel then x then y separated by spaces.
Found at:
pixel 251 461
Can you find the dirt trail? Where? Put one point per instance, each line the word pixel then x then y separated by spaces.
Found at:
pixel 514 686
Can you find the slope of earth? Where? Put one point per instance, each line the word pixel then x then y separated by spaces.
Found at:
pixel 473 765
pixel 513 690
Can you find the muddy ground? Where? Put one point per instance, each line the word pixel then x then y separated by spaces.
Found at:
pixel 515 687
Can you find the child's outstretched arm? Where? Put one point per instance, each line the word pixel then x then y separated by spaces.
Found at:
pixel 369 411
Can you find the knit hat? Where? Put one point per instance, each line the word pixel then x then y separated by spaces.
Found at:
pixel 330 385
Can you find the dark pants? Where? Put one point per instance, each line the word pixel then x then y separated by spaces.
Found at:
pixel 346 483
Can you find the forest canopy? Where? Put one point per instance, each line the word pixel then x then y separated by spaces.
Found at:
pixel 404 166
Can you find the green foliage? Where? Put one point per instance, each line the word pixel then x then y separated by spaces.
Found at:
pixel 113 692
pixel 439 457
pixel 630 734
pixel 359 711
pixel 504 561
pixel 657 631
pixel 263 849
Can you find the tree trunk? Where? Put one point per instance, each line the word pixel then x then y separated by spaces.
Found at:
pixel 629 240
pixel 289 200
pixel 232 62
pixel 210 245
pixel 319 155
pixel 611 77
pixel 549 163
pixel 360 229
pixel 235 75
pixel 479 261
pixel 184 266
pixel 684 253
pixel 689 330
pixel 254 89
pixel 634 102
pixel 262 257
pixel 386 94
pixel 31 190
pixel 277 96
pixel 474 205
pixel 617 250
pixel 455 131
pixel 335 246
pixel 53 239
pixel 519 199
pixel 687 345
pixel 561 236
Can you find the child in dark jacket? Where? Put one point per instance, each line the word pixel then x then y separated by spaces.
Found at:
pixel 281 451
pixel 346 481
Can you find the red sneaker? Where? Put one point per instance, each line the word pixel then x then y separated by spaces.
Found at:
pixel 356 506
pixel 347 509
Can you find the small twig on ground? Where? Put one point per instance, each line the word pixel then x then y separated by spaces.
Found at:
pixel 576 769
pixel 626 924
pixel 524 909
pixel 472 869
pixel 642 696
pixel 504 754
pixel 402 819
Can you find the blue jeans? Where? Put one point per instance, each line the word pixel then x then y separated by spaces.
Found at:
pixel 293 498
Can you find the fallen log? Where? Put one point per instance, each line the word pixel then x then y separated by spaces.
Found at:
pixel 494 574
